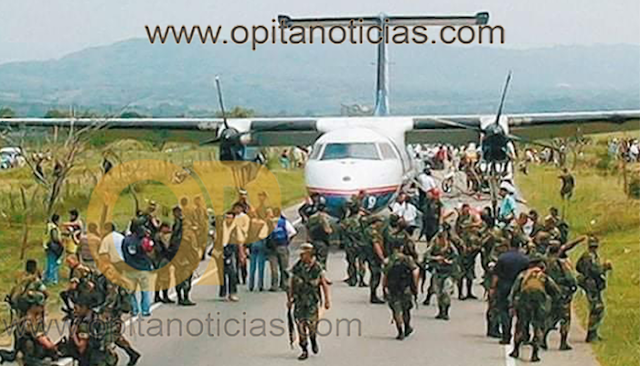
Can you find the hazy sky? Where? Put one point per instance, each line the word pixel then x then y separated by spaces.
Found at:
pixel 42 29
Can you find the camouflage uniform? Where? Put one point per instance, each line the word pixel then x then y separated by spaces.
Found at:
pixel 373 237
pixel 442 258
pixel 469 247
pixel 530 297
pixel 29 331
pixel 305 281
pixel 352 231
pixel 494 245
pixel 560 270
pixel 318 228
pixel 401 289
pixel 592 279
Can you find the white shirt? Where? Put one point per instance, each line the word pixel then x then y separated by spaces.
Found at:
pixel 112 245
pixel 291 230
pixel 427 182
pixel 406 211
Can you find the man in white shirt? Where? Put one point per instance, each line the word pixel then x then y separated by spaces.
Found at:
pixel 426 183
pixel 405 210
pixel 110 250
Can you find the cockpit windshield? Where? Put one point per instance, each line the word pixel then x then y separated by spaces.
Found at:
pixel 357 150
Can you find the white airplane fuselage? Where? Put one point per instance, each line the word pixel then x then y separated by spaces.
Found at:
pixel 349 158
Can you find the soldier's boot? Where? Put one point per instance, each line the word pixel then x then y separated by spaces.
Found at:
pixel 470 294
pixel 7 356
pixel 305 354
pixel 543 343
pixel 564 346
pixel 439 315
pixel 400 335
pixel 592 336
pixel 427 300
pixel 516 350
pixel 134 356
pixel 186 301
pixel 165 297
pixel 314 344
pixel 406 318
pixel 534 353
pixel 374 299
pixel 493 330
pixel 445 316
pixel 361 282
pixel 460 285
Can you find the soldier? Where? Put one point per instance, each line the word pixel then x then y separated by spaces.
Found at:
pixel 307 281
pixel 498 245
pixel 400 284
pixel 183 236
pixel 353 235
pixel 29 333
pixel 536 226
pixel 161 258
pixel 562 225
pixel 432 214
pixel 441 256
pixel 592 279
pixel 375 256
pixel 318 230
pixel 467 228
pixel 529 297
pixel 568 184
pixel 116 304
pixel 559 268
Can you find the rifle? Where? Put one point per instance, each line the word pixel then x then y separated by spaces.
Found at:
pixel 291 325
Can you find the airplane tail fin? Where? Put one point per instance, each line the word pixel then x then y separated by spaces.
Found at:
pixel 383 22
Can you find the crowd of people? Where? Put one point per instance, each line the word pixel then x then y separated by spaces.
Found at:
pixel 110 273
pixel 526 273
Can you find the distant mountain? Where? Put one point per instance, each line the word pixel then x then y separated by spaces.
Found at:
pixel 316 79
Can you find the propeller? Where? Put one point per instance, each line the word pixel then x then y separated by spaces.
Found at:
pixel 495 137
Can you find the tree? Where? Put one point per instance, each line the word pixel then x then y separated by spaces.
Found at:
pixel 56 113
pixel 132 114
pixel 7 112
pixel 238 112
pixel 50 168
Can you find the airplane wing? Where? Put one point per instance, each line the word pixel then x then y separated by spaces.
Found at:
pixel 289 131
pixel 534 126
pixel 262 131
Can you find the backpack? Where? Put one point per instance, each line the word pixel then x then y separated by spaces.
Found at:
pixel 533 281
pixel 20 295
pixel 279 233
pixel 399 278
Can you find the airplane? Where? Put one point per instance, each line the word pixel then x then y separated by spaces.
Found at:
pixel 369 154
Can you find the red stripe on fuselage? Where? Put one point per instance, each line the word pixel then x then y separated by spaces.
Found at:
pixel 346 192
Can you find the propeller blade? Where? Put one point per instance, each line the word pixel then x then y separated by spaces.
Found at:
pixel 224 114
pixel 456 124
pixel 211 141
pixel 504 95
